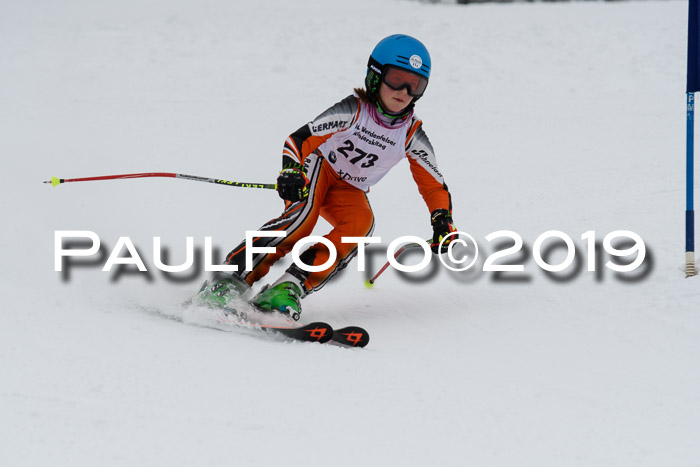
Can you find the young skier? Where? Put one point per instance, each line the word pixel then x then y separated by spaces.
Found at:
pixel 329 165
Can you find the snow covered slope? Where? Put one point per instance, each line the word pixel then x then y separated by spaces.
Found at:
pixel 544 117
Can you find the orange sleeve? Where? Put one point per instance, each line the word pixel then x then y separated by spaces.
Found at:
pixel 423 164
pixel 434 193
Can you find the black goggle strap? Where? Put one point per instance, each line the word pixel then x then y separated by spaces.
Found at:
pixel 374 76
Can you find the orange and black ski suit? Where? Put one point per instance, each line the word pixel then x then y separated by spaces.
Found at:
pixel 345 150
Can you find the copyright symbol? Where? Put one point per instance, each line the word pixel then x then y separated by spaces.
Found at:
pixel 469 244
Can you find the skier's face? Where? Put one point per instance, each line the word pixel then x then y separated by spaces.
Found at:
pixel 394 101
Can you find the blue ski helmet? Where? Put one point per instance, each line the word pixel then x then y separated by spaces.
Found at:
pixel 398 50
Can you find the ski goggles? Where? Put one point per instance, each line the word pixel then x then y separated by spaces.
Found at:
pixel 397 79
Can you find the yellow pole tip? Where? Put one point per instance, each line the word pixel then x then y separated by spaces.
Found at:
pixel 369 284
pixel 55 181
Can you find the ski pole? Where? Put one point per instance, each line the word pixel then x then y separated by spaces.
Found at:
pixel 369 283
pixel 57 181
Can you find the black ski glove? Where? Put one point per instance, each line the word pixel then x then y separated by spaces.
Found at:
pixel 292 183
pixel 441 219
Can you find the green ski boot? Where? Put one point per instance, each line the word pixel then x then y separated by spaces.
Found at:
pixel 284 297
pixel 222 290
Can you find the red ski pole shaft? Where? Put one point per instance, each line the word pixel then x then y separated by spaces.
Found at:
pixel 386 265
pixel 398 253
pixel 57 181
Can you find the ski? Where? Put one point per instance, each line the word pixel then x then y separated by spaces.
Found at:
pixel 244 315
pixel 352 336
pixel 228 319
pixel 314 332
